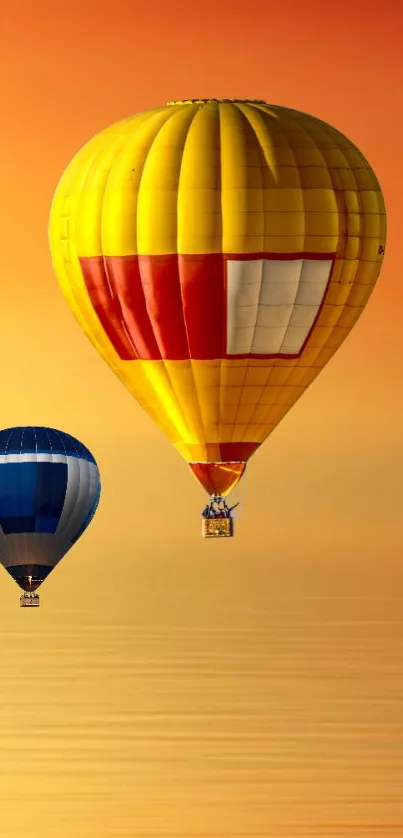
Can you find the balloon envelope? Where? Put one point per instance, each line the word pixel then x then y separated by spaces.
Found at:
pixel 217 253
pixel 49 492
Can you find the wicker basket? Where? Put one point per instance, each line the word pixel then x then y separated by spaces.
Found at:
pixel 217 527
pixel 29 600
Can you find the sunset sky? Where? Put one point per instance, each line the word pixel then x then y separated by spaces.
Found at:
pixel 169 686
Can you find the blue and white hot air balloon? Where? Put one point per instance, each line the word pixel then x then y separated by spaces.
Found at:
pixel 49 492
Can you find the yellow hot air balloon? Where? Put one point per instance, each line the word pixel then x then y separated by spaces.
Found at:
pixel 217 254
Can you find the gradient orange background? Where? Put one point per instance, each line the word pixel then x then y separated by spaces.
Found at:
pixel 169 687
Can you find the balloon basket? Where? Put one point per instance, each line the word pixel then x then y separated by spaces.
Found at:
pixel 29 600
pixel 217 527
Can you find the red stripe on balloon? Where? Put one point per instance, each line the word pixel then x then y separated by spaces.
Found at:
pixel 237 451
pixel 107 306
pixel 171 307
pixel 218 478
pixel 202 281
pixel 154 307
pixel 164 305
pixel 128 291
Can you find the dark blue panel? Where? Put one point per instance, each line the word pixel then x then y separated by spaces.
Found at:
pixel 17 490
pixel 46 523
pixel 4 437
pixel 75 448
pixel 51 485
pixel 17 524
pixel 67 443
pixel 43 441
pixel 14 440
pixel 32 496
pixel 28 442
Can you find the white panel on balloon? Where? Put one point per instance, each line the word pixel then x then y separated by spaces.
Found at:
pixel 272 304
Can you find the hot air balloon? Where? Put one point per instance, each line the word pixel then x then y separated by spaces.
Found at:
pixel 217 253
pixel 49 492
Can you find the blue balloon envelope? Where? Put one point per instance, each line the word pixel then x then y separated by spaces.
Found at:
pixel 49 492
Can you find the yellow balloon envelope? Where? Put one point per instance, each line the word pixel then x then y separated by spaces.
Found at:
pixel 217 254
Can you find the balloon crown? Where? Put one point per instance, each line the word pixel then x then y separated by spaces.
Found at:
pixel 219 101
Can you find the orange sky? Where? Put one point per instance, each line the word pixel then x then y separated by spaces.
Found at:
pixel 322 511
